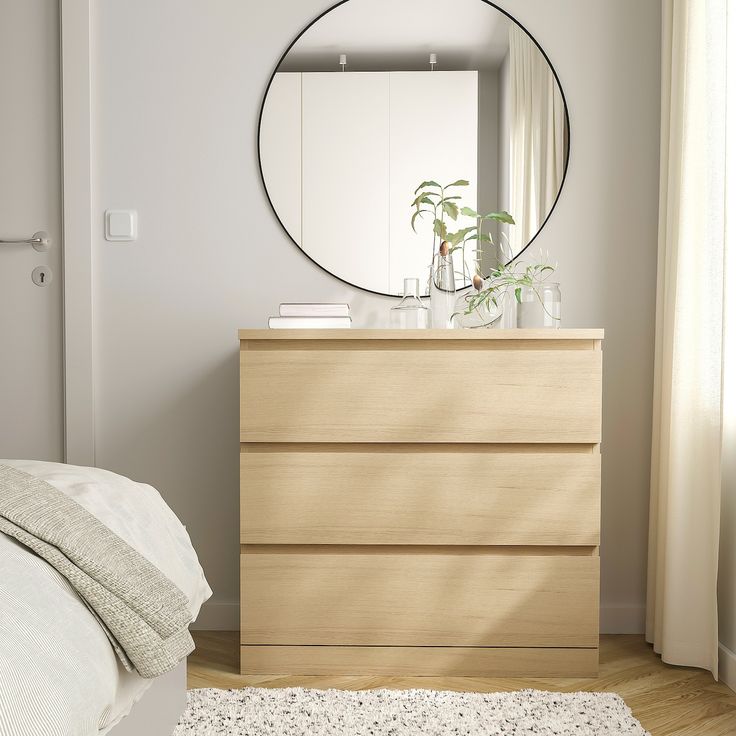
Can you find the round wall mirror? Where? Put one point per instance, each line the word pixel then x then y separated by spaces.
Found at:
pixel 392 126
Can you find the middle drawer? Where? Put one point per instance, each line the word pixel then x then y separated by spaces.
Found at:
pixel 437 495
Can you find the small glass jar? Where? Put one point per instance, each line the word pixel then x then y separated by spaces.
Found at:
pixel 472 312
pixel 539 305
pixel 410 313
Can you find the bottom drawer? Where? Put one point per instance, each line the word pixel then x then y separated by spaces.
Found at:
pixel 372 596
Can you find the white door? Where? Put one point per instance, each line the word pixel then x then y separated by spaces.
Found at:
pixel 434 135
pixel 31 411
pixel 345 174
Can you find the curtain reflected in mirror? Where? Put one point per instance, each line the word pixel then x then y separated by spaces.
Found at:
pixel 378 97
pixel 538 139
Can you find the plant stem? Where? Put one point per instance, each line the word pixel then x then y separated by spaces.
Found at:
pixel 541 301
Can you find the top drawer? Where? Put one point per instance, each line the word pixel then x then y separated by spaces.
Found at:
pixel 419 391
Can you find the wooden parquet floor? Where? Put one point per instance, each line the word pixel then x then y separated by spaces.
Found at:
pixel 668 701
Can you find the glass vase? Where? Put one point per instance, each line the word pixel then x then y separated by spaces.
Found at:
pixel 471 313
pixel 539 305
pixel 409 313
pixel 442 292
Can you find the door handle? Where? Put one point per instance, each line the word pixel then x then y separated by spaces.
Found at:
pixel 40 241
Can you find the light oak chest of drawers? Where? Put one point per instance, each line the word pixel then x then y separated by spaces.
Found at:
pixel 420 502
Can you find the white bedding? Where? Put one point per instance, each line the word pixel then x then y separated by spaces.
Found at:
pixel 59 675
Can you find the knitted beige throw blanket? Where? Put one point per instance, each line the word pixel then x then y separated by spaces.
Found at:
pixel 145 616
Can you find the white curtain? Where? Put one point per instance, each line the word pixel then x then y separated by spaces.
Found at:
pixel 693 319
pixel 537 138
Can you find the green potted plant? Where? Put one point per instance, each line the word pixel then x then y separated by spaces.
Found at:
pixel 439 202
pixel 481 305
pixel 444 205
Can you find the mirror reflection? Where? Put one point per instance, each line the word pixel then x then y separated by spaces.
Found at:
pixel 378 100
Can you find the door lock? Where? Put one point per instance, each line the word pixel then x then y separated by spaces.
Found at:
pixel 42 276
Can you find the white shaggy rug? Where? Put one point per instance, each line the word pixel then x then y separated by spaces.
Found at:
pixel 299 712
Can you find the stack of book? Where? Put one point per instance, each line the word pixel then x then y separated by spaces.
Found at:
pixel 311 316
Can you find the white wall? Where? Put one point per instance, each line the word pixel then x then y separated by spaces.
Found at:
pixel 177 92
pixel 488 150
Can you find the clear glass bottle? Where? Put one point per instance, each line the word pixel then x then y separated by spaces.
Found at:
pixel 410 313
pixel 539 305
pixel 442 292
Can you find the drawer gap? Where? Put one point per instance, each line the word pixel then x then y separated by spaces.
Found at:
pixel 421 447
pixel 405 346
pixel 418 549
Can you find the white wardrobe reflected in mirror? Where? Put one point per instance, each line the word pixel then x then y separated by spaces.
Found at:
pixel 343 151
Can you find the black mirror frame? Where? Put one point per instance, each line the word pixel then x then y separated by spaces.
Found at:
pixel 260 122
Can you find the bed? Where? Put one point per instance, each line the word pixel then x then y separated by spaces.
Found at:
pixel 59 674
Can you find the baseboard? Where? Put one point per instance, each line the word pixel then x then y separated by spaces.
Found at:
pixel 218 616
pixel 623 619
pixel 420 661
pixel 727 666
pixel 223 616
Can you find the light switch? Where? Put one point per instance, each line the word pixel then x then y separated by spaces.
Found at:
pixel 121 225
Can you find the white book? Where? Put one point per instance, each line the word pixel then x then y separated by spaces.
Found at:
pixel 309 323
pixel 314 310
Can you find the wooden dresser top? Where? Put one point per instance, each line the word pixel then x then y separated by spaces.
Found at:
pixel 355 334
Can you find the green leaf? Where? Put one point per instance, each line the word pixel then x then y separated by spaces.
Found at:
pixel 450 209
pixel 502 216
pixel 440 229
pixel 517 294
pixel 460 235
pixel 465 232
pixel 459 183
pixel 426 184
pixel 424 198
pixel 469 212
pixel 418 213
pixel 483 237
